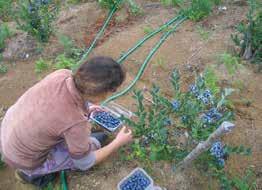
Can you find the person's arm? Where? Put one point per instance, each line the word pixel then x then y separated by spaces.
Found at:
pixel 123 137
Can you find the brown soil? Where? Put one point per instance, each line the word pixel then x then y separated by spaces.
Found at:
pixel 185 50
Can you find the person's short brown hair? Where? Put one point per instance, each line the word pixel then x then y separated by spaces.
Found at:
pixel 99 75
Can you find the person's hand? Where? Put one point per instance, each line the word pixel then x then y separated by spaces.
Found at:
pixel 93 108
pixel 124 136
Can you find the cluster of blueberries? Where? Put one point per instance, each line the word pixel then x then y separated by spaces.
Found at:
pixel 137 181
pixel 211 116
pixel 205 96
pixel 106 119
pixel 218 152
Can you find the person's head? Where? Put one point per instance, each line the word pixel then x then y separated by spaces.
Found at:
pixel 98 78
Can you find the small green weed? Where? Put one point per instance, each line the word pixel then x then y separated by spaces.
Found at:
pixel 1 162
pixel 62 62
pixel 171 2
pixel 160 62
pixel 148 29
pixel 70 49
pixel 36 17
pixel 41 66
pixel 52 186
pixel 247 182
pixel 250 38
pixel 211 80
pixel 3 68
pixel 232 63
pixel 109 4
pixel 75 1
pixel 5 9
pixel 134 9
pixel 204 34
pixel 4 34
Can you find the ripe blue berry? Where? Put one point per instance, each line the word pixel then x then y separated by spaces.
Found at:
pixel 176 105
pixel 193 89
pixel 167 122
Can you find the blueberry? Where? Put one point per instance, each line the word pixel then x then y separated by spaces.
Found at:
pixel 193 88
pixel 211 116
pixel 221 162
pixel 167 122
pixel 184 119
pixel 176 105
pixel 218 152
pixel 207 94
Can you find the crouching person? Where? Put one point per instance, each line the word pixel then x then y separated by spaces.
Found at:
pixel 47 129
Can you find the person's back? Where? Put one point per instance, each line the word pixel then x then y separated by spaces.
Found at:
pixel 47 129
pixel 38 120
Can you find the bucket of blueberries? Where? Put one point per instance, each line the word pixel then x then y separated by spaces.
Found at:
pixel 138 179
pixel 109 119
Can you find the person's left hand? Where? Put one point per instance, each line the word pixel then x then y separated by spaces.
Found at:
pixel 93 108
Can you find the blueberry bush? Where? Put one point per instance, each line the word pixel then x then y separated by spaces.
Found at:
pixel 36 17
pixel 193 114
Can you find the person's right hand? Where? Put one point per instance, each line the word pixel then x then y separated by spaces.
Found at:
pixel 124 136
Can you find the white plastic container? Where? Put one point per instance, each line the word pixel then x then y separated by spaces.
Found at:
pixel 116 111
pixel 149 187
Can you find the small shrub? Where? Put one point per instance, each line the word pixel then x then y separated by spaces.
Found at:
pixel 171 2
pixel 250 38
pixel 199 9
pixel 41 66
pixel 62 62
pixel 36 17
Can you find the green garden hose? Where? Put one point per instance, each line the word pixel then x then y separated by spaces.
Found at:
pixel 144 65
pixel 110 16
pixel 147 37
pixel 63 180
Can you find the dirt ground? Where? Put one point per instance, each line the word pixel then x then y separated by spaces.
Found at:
pixel 185 50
